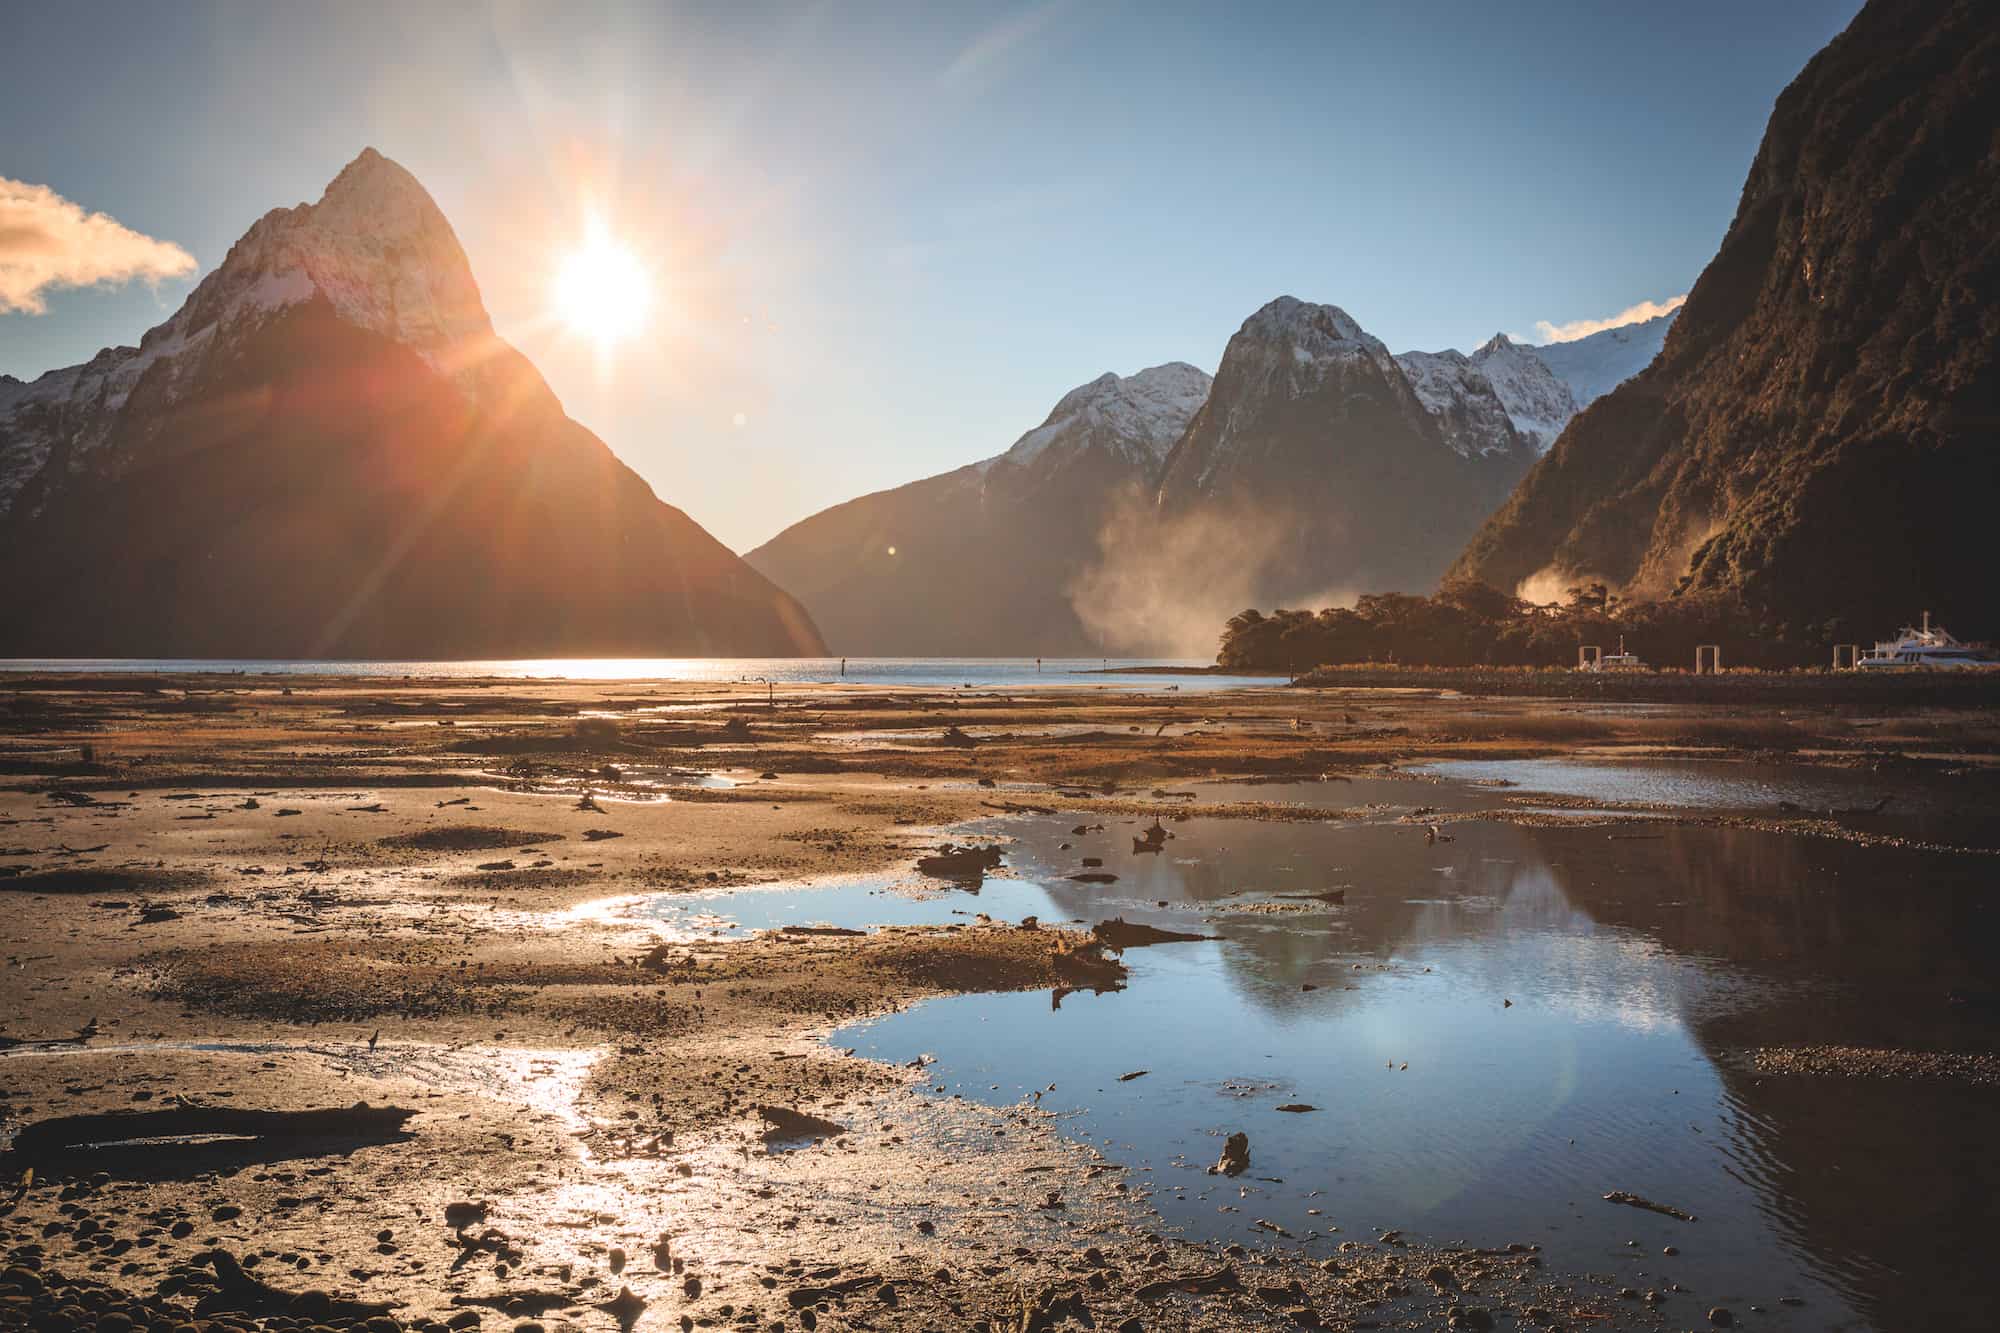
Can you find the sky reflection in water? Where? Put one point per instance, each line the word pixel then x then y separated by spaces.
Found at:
pixel 1640 962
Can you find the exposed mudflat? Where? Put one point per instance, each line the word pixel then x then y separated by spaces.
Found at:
pixel 453 899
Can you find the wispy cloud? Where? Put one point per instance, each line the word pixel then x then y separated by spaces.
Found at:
pixel 46 242
pixel 1583 328
pixel 994 44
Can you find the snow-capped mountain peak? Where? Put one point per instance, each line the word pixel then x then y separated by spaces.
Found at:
pixel 1315 332
pixel 375 246
pixel 1537 401
pixel 1138 416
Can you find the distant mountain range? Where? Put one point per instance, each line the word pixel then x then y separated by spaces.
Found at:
pixel 1820 435
pixel 327 452
pixel 1315 463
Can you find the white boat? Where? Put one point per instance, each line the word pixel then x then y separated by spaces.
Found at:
pixel 1618 661
pixel 1926 647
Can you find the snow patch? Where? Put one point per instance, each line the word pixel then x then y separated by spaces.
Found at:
pixel 1595 365
pixel 1137 417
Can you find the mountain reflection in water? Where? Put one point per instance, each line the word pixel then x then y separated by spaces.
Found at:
pixel 1576 1009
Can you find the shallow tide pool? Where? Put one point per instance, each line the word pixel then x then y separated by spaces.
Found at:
pixel 1496 1030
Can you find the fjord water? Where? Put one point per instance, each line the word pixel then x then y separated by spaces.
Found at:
pixel 1496 1031
pixel 925 672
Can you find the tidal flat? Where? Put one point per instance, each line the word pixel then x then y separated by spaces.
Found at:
pixel 686 1037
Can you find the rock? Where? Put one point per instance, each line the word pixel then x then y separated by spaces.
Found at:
pixel 617 1260
pixel 1720 1317
pixel 952 862
pixel 465 1213
pixel 785 1124
pixel 1118 933
pixel 1235 1159
pixel 626 1307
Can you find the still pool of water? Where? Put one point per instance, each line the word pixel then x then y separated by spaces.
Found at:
pixel 1497 1030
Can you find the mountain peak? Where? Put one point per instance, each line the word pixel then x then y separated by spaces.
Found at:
pixel 1138 416
pixel 376 247
pixel 1319 324
pixel 372 180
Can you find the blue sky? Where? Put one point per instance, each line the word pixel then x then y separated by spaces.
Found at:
pixel 889 237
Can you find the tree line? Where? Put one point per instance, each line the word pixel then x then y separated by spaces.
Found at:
pixel 1468 623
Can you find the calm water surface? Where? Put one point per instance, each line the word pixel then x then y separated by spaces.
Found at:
pixel 1499 1029
pixel 1958 810
pixel 927 672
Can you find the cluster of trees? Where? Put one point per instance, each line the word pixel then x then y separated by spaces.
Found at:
pixel 1467 623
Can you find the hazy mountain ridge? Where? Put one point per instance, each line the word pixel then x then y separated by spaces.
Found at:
pixel 978 560
pixel 1143 503
pixel 1818 435
pixel 327 450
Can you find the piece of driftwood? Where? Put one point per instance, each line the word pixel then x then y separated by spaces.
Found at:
pixel 1631 1200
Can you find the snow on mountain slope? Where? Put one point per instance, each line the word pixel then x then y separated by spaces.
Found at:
pixel 376 246
pixel 1455 390
pixel 1537 401
pixel 1594 366
pixel 1137 416
pixel 1487 402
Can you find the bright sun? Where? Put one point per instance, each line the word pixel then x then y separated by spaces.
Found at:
pixel 602 291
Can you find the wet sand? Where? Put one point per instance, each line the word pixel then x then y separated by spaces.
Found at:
pixel 284 895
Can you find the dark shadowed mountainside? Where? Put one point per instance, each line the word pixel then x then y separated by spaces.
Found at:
pixel 1318 444
pixel 1821 432
pixel 327 452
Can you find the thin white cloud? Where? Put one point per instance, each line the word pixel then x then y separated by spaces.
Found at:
pixel 1000 40
pixel 47 242
pixel 1583 328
